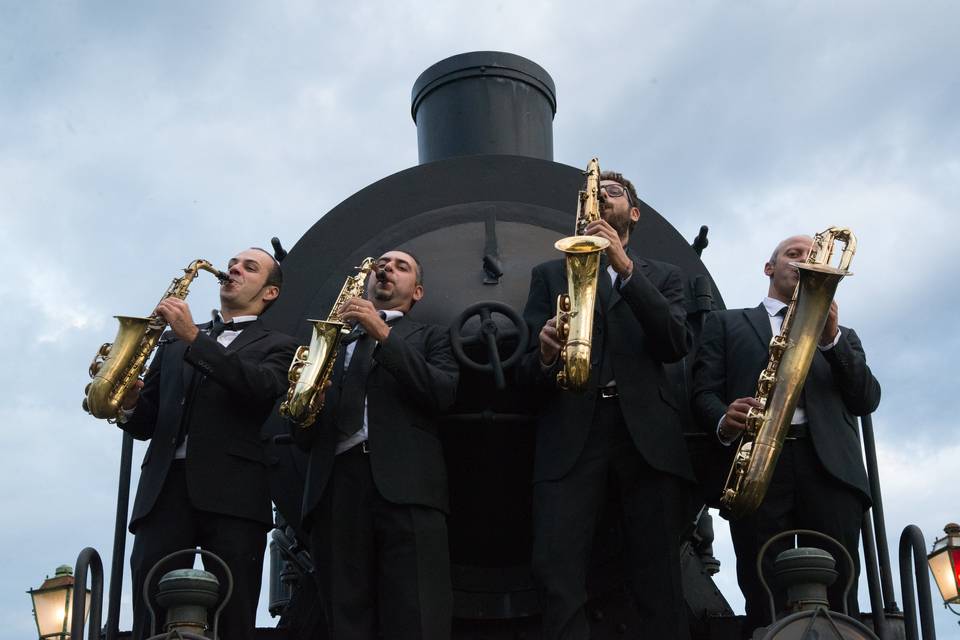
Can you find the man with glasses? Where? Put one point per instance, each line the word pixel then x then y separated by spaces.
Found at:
pixel 624 431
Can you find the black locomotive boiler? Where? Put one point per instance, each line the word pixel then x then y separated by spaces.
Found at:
pixel 485 204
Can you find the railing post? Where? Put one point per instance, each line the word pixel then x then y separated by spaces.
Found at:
pixel 119 538
pixel 880 626
pixel 913 548
pixel 88 559
pixel 879 522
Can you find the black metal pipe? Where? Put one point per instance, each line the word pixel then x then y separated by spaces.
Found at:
pixel 484 102
pixel 880 626
pixel 119 538
pixel 88 559
pixel 879 522
pixel 913 548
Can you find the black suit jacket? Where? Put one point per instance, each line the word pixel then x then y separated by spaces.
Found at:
pixel 734 350
pixel 233 393
pixel 642 326
pixel 413 379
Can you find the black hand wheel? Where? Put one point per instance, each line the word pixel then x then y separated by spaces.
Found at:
pixel 491 335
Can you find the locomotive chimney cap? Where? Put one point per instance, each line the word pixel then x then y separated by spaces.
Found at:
pixel 478 64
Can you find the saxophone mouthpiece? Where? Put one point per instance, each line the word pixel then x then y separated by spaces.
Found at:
pixel 223 277
pixel 381 275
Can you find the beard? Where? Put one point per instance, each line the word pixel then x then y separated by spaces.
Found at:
pixel 619 221
pixel 382 294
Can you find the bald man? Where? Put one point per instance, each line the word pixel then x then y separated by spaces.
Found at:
pixel 819 482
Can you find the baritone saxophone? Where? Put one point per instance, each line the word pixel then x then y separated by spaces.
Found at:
pixel 575 308
pixel 780 383
pixel 312 366
pixel 118 365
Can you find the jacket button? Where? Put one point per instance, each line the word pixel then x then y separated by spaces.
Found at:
pixel 173 441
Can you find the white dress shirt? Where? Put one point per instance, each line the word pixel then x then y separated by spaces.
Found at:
pixel 361 434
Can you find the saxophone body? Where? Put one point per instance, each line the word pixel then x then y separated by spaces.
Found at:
pixel 780 383
pixel 312 366
pixel 118 365
pixel 575 308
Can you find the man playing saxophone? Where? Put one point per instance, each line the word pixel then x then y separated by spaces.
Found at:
pixel 819 482
pixel 203 481
pixel 623 427
pixel 375 500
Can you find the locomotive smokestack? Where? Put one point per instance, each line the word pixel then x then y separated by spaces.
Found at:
pixel 484 102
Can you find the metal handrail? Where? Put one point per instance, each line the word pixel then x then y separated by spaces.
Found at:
pixel 913 547
pixel 877 613
pixel 879 522
pixel 119 538
pixel 88 559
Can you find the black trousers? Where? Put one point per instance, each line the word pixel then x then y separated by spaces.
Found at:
pixel 802 495
pixel 565 513
pixel 383 569
pixel 174 524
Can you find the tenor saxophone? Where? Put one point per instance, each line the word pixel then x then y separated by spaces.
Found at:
pixel 575 308
pixel 780 383
pixel 118 365
pixel 312 366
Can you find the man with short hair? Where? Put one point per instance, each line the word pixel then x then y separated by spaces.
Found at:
pixel 375 500
pixel 624 428
pixel 203 480
pixel 819 482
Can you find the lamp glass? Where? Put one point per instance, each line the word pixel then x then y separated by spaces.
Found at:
pixel 52 608
pixel 945 567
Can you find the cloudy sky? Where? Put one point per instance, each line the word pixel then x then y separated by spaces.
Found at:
pixel 135 137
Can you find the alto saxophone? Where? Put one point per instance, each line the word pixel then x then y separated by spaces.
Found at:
pixel 780 384
pixel 312 366
pixel 575 308
pixel 118 365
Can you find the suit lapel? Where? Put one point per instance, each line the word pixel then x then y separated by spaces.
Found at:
pixel 401 329
pixel 638 263
pixel 176 350
pixel 604 288
pixel 759 319
pixel 249 335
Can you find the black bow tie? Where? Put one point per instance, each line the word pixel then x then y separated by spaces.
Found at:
pixel 218 326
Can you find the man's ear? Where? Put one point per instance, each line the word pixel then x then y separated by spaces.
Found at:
pixel 634 213
pixel 768 269
pixel 418 293
pixel 271 293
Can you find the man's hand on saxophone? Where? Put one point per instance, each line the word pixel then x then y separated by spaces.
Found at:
pixel 362 312
pixel 734 421
pixel 549 343
pixel 131 397
pixel 832 326
pixel 616 254
pixel 177 314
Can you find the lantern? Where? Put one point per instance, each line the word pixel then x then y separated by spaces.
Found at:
pixel 53 604
pixel 944 561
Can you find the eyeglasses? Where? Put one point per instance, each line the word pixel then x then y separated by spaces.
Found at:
pixel 614 190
